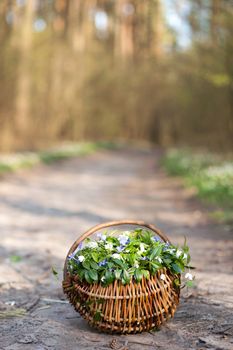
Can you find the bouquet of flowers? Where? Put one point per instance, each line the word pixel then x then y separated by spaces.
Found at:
pixel 128 257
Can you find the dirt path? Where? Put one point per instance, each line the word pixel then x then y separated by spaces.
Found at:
pixel 43 210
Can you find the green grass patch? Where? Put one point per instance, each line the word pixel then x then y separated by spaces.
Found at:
pixel 223 216
pixel 211 175
pixel 15 258
pixel 68 151
pixel 13 162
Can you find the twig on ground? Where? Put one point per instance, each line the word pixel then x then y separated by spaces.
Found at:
pixel 43 308
pixel 55 301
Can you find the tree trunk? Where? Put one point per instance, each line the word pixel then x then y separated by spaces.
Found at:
pixel 23 80
pixel 124 37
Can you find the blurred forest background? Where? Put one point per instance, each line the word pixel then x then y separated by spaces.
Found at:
pixel 153 70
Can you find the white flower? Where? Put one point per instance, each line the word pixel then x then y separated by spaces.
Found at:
pixel 178 253
pixel 159 260
pixel 101 236
pixel 142 247
pixel 185 256
pixel 116 256
pixel 81 258
pixel 108 246
pixel 189 276
pixel 123 239
pixel 163 277
pixel 171 250
pixel 102 279
pixel 92 244
pixel 136 265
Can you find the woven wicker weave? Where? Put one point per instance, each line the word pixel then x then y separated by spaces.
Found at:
pixel 131 308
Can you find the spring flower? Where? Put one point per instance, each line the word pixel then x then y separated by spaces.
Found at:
pixel 101 236
pixel 120 248
pixel 156 239
pixel 178 253
pixel 144 258
pixel 72 257
pixel 142 248
pixel 108 246
pixel 132 251
pixel 92 244
pixel 123 239
pixel 162 277
pixel 80 246
pixel 102 263
pixel 116 256
pixel 171 250
pixel 165 248
pixel 81 258
pixel 189 276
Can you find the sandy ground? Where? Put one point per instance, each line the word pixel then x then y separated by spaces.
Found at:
pixel 42 211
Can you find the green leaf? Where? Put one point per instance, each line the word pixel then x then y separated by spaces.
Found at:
pixel 167 261
pixel 15 258
pixel 131 258
pixel 110 264
pixel 117 274
pixel 146 274
pixel 155 252
pixel 154 267
pixel 146 236
pixel 176 268
pixel 81 274
pixel 93 275
pixel 189 284
pixel 109 277
pixel 54 272
pixel 95 256
pixel 190 267
pixel 138 275
pixel 87 277
pixel 125 277
pixel 120 263
pixel 94 265
pixel 86 264
pixel 176 282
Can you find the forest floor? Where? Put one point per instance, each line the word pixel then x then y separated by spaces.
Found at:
pixel 43 210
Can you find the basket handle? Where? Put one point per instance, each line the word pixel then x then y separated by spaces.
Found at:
pixel 110 224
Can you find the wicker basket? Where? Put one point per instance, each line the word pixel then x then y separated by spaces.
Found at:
pixel 131 308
